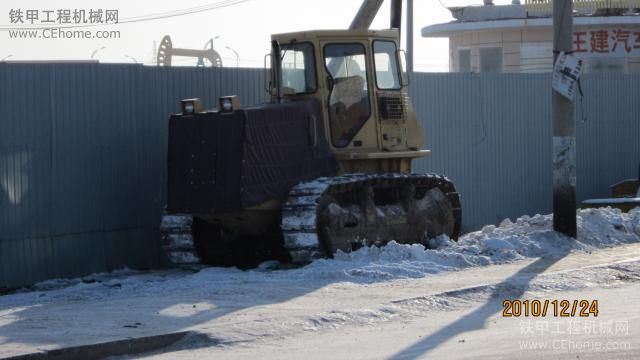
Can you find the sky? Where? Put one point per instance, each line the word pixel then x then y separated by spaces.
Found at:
pixel 243 26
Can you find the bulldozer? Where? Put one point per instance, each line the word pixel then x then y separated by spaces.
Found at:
pixel 324 166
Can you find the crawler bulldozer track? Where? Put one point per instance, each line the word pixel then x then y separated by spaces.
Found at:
pixel 177 240
pixel 347 212
pixel 343 213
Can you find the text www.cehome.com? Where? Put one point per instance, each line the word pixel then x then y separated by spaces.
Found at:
pixel 58 33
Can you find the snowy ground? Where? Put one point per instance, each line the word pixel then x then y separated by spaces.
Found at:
pixel 394 302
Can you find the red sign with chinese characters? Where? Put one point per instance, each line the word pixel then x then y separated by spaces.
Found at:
pixel 607 41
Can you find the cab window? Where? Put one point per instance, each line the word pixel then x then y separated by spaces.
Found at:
pixel 298 67
pixel 386 63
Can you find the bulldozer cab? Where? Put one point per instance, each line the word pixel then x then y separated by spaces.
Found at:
pixel 358 78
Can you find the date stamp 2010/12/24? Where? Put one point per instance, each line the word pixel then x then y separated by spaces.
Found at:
pixel 555 308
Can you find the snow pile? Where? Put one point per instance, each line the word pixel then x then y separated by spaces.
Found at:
pixel 527 237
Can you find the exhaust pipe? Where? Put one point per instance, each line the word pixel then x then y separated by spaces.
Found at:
pixel 277 69
pixel 396 14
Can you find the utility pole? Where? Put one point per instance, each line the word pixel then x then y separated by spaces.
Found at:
pixel 238 56
pixel 564 130
pixel 93 54
pixel 409 36
pixel 131 58
pixel 154 54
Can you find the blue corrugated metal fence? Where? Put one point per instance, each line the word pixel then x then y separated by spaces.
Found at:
pixel 82 152
pixel 491 133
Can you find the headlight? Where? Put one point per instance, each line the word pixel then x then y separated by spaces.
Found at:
pixel 227 105
pixel 191 106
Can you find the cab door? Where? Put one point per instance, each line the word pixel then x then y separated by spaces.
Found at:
pixel 349 102
pixel 392 102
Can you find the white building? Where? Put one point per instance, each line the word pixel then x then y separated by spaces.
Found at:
pixel 518 38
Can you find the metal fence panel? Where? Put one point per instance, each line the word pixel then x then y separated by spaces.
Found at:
pixel 491 133
pixel 83 147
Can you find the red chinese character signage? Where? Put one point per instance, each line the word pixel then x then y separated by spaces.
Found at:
pixel 621 37
pixel 600 41
pixel 579 42
pixel 606 41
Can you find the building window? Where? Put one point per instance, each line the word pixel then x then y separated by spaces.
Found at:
pixel 464 60
pixel 491 59
pixel 606 65
pixel 633 65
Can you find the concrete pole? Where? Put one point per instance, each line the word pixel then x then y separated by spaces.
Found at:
pixel 366 14
pixel 564 130
pixel 409 36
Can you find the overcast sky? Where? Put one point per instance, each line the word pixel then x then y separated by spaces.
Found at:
pixel 244 27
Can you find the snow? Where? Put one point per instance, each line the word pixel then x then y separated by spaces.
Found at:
pixel 394 283
pixel 527 237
